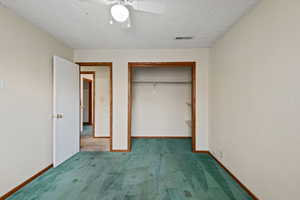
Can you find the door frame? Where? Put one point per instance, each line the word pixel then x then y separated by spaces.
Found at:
pixel 91 99
pixel 192 65
pixel 109 65
pixel 91 102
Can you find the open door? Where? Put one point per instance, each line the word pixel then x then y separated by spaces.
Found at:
pixel 66 117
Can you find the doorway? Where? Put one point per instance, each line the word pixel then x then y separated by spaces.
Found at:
pixel 162 101
pixel 96 106
pixel 87 126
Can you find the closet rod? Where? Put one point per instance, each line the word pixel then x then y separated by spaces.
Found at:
pixel 164 82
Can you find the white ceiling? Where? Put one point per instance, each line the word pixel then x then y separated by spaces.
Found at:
pixel 85 25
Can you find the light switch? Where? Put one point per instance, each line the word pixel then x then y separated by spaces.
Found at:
pixel 2 84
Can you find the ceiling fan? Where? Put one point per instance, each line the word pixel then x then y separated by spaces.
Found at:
pixel 119 9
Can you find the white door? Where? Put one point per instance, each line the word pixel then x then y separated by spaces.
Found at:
pixel 66 117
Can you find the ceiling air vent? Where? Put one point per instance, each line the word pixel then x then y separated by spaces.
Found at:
pixel 184 38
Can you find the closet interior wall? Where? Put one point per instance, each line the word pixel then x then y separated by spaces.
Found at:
pixel 161 102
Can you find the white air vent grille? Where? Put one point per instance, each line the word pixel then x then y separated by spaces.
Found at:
pixel 184 38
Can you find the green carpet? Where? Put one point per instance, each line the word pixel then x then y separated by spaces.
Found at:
pixel 87 130
pixel 156 169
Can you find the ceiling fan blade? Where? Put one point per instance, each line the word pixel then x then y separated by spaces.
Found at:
pixel 105 2
pixel 150 6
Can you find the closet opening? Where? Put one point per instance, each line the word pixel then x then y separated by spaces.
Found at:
pixel 162 101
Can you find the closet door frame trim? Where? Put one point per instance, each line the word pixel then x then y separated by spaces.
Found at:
pixel 132 65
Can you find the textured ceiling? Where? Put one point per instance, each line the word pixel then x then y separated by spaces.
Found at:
pixel 85 25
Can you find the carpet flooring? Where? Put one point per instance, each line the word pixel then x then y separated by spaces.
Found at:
pixel 156 169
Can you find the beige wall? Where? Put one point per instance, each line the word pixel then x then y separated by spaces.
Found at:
pixel 120 59
pixel 255 100
pixel 26 101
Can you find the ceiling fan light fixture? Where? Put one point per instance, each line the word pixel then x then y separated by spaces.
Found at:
pixel 119 12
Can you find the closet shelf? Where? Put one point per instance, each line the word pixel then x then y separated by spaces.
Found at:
pixel 163 82
pixel 189 122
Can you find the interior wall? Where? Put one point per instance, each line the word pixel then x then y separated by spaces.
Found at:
pixel 26 98
pixel 102 100
pixel 120 59
pixel 161 109
pixel 255 100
